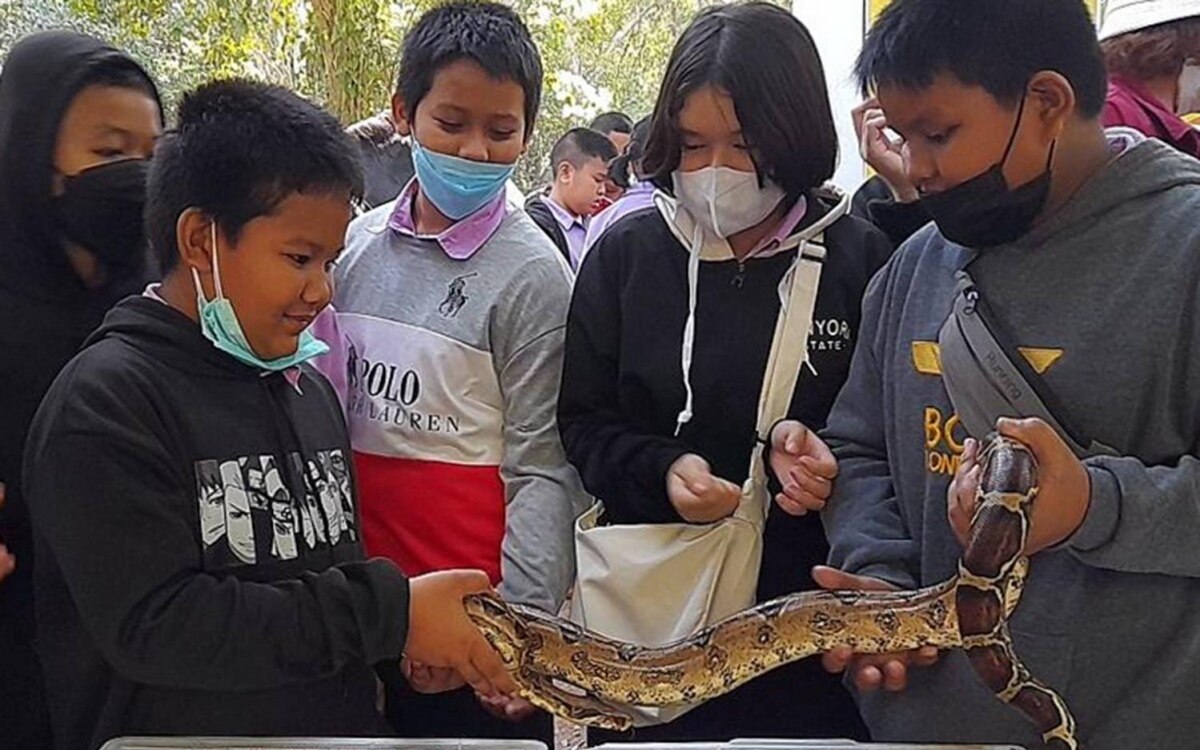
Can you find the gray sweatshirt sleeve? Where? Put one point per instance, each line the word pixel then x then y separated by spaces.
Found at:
pixel 1142 519
pixel 543 492
pixel 867 534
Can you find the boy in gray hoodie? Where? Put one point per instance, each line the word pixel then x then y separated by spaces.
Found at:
pixel 1085 247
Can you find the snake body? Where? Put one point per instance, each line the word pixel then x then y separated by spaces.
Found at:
pixel 587 678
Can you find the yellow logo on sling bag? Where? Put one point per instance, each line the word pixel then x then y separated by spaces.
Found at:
pixel 944 435
pixel 927 358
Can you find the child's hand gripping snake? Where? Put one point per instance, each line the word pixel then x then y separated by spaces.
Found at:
pixel 587 678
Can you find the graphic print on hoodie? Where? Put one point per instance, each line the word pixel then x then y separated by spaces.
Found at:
pixel 203 572
pixel 247 513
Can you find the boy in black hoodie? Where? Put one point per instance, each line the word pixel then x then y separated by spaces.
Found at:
pixel 188 474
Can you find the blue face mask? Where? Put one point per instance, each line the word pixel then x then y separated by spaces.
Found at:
pixel 458 187
pixel 220 325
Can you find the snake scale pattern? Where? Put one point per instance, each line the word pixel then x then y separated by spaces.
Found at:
pixel 587 678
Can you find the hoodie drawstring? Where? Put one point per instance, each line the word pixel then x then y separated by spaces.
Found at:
pixel 689 328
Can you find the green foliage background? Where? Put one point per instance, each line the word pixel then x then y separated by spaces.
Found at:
pixel 598 54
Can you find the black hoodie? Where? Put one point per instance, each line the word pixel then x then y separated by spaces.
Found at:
pixel 622 390
pixel 200 567
pixel 46 313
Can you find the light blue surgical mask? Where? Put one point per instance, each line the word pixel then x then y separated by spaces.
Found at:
pixel 220 325
pixel 458 187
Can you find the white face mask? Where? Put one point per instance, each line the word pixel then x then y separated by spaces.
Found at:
pixel 726 201
pixel 1188 100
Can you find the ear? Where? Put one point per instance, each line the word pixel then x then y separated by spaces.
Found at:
pixel 1054 101
pixel 400 115
pixel 565 172
pixel 193 236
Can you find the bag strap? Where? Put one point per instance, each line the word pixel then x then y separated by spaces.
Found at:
pixel 789 352
pixel 984 380
pixel 789 348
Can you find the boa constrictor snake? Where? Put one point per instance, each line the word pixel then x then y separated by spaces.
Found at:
pixel 587 678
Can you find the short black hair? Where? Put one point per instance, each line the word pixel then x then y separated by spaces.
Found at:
pixel 998 45
pixel 490 34
pixel 612 122
pixel 239 149
pixel 629 164
pixel 765 59
pixel 579 145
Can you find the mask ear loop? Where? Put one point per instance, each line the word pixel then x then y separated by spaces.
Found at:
pixel 689 329
pixel 220 292
pixel 1012 137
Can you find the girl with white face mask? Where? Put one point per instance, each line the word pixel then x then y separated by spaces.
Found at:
pixel 673 319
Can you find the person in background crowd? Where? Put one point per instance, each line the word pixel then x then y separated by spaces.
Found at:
pixel 616 127
pixel 742 142
pixel 386 160
pixel 451 309
pixel 1152 52
pixel 637 191
pixel 579 164
pixel 78 121
pixel 888 199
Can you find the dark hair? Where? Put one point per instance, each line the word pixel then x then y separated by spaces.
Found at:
pixel 765 59
pixel 1156 52
pixel 375 131
pixel 579 145
pixel 612 122
pixel 629 164
pixel 121 74
pixel 239 150
pixel 489 34
pixel 998 45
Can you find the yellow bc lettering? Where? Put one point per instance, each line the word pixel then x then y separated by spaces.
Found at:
pixel 943 442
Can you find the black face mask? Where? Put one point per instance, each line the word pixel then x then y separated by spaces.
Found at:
pixel 983 212
pixel 101 209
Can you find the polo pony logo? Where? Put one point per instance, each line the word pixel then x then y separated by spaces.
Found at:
pixel 455 296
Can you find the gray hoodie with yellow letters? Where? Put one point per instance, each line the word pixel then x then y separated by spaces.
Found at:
pixel 1103 299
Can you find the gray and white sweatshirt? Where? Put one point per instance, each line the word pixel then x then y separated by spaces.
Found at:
pixel 452 363
pixel 1104 301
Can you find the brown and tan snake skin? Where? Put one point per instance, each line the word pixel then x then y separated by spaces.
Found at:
pixel 587 678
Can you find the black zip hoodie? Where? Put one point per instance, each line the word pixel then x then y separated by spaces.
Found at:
pixel 622 390
pixel 201 568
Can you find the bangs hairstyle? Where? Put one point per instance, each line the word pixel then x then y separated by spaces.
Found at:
pixel 998 45
pixel 1156 52
pixel 765 59
pixel 240 149
pixel 489 34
